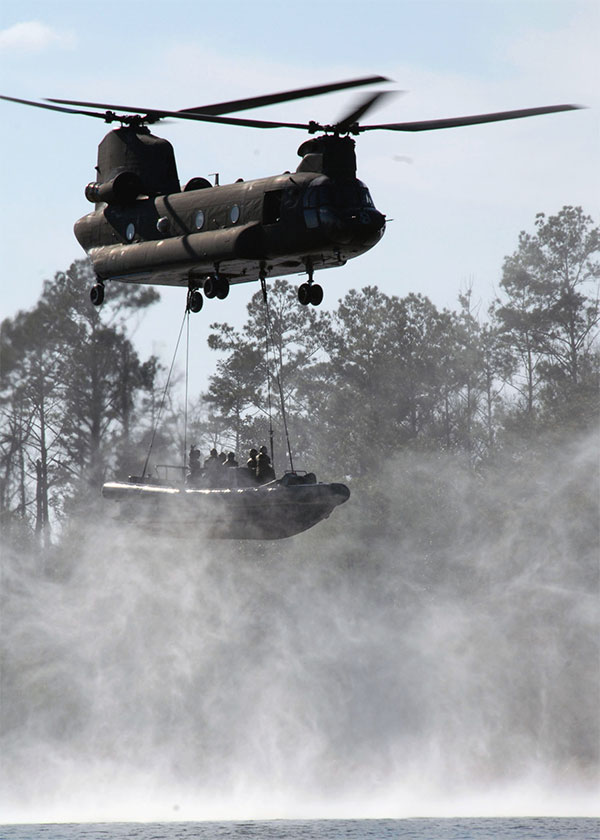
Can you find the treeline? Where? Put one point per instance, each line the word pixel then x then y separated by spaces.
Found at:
pixel 381 373
pixel 75 400
pixel 347 389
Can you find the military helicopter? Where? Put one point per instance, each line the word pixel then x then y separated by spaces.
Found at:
pixel 206 237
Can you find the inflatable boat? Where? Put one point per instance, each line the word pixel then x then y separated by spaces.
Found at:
pixel 240 511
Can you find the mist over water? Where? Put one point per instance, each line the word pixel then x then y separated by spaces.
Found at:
pixel 433 651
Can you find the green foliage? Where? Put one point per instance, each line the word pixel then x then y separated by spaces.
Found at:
pixel 272 357
pixel 376 375
pixel 465 561
pixel 69 382
pixel 549 314
pixel 382 374
pixel 346 390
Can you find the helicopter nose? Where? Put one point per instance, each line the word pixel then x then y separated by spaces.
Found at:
pixel 381 220
pixel 360 228
pixel 373 220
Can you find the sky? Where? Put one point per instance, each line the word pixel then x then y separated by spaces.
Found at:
pixel 456 199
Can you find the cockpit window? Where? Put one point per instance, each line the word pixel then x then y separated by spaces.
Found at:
pixel 351 195
pixel 354 195
pixel 340 197
pixel 367 201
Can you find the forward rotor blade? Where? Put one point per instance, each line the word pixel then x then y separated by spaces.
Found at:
pixel 362 107
pixel 285 96
pixel 54 107
pixel 453 122
pixel 228 107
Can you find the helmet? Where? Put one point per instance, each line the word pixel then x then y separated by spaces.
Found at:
pixel 253 453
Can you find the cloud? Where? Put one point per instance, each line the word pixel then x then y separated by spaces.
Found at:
pixel 33 36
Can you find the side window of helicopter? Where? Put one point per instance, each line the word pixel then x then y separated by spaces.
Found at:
pixel 327 201
pixel 130 232
pixel 234 214
pixel 199 219
pixel 319 205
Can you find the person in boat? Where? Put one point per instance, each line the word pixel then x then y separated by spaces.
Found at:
pixel 212 468
pixel 264 470
pixel 222 458
pixel 251 462
pixel 213 460
pixel 195 470
pixel 230 460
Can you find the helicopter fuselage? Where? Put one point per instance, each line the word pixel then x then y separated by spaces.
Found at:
pixel 268 227
pixel 145 229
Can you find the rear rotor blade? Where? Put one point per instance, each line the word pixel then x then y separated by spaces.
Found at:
pixel 154 116
pixel 348 123
pixel 152 113
pixel 54 107
pixel 233 105
pixel 453 122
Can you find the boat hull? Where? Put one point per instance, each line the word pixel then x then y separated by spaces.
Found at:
pixel 269 512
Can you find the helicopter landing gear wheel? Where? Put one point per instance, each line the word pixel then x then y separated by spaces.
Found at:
pixel 222 288
pixel 195 300
pixel 215 286
pixel 316 294
pixel 310 293
pixel 304 294
pixel 97 294
pixel 210 287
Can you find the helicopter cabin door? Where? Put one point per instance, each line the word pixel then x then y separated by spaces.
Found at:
pixel 272 207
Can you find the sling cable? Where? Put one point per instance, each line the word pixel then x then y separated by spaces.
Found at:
pixel 270 346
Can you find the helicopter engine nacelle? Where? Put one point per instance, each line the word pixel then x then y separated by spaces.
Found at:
pixel 124 188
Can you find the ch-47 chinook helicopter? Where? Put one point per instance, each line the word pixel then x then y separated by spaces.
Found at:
pixel 145 228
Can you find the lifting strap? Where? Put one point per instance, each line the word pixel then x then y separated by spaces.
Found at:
pixel 187 379
pixel 269 345
pixel 166 388
pixel 269 341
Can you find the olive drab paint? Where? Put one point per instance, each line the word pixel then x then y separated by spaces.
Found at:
pixel 318 217
pixel 147 228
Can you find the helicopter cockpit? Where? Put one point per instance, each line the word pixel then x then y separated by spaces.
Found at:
pixel 344 209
